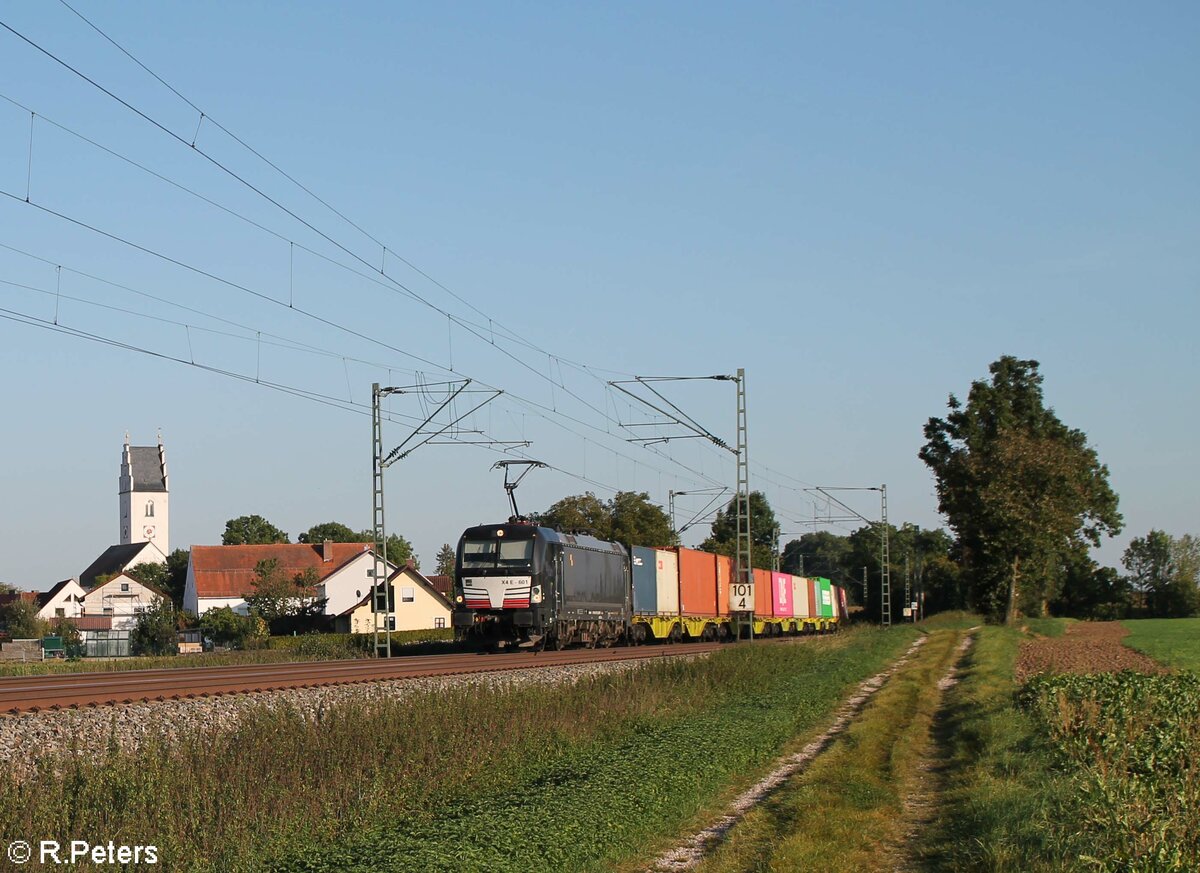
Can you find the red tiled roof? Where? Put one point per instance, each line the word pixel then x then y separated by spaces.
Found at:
pixel 442 584
pixel 228 571
pixel 93 622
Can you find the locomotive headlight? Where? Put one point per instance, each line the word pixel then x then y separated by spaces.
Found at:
pixel 535 595
pixel 459 599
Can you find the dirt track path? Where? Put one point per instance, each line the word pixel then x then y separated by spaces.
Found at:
pixel 1085 647
pixel 926 782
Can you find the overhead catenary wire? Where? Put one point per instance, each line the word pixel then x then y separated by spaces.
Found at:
pixel 492 323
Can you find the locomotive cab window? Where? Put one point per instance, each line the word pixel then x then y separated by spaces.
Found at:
pixel 479 554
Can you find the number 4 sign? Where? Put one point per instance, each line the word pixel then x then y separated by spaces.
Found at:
pixel 741 597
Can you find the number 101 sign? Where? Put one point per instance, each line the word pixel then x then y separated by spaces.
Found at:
pixel 741 597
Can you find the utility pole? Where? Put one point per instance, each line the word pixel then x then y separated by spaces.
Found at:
pixel 671 416
pixel 885 573
pixel 886 567
pixel 744 550
pixel 908 601
pixel 382 603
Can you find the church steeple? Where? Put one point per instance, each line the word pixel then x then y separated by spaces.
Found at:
pixel 143 495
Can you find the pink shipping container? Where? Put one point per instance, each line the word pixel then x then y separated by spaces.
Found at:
pixel 697 583
pixel 724 575
pixel 843 607
pixel 762 594
pixel 781 595
pixel 802 603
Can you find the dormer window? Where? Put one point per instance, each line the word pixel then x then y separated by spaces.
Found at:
pixel 149 509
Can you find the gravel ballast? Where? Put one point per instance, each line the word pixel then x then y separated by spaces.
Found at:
pixel 28 738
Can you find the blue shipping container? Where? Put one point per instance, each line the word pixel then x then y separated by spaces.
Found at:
pixel 645 581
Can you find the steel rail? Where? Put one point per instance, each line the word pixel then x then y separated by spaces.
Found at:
pixel 20 694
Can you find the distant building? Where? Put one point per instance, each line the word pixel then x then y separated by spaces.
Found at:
pixel 417 605
pixel 220 576
pixel 143 497
pixel 119 600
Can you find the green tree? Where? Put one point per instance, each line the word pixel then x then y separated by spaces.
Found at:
pixel 275 596
pixel 820 553
pixel 334 531
pixel 1018 487
pixel 21 619
pixel 582 513
pixel 71 637
pixel 250 530
pixel 155 633
pixel 1091 591
pixel 763 529
pixel 445 560
pixel 1164 570
pixel 635 520
pixel 226 628
pixel 630 517
pixel 169 577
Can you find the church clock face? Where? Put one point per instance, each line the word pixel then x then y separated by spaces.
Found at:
pixel 149 531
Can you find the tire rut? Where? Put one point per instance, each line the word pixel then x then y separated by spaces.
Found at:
pixel 688 854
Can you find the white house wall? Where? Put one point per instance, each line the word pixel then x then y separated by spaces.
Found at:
pixel 65 600
pixel 350 584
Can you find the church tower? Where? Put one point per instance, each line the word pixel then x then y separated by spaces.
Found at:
pixel 143 496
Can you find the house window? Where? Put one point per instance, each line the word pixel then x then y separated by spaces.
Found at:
pixel 149 509
pixel 124 587
pixel 408 595
pixel 108 610
pixel 439 622
pixel 60 613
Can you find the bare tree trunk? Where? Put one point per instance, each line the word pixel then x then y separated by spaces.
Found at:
pixel 1011 616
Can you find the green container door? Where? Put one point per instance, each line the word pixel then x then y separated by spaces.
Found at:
pixel 825 598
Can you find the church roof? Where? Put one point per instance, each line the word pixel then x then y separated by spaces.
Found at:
pixel 114 560
pixel 228 571
pixel 147 468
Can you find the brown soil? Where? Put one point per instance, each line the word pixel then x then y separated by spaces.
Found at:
pixel 1086 647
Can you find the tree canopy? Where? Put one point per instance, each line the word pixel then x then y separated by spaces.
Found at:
pixel 169 577
pixel 629 517
pixel 1018 487
pixel 763 532
pixel 1165 571
pixel 445 560
pixel 334 531
pixel 249 530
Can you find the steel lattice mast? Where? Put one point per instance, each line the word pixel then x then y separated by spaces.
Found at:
pixel 745 557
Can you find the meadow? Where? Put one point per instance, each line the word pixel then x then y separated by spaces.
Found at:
pixel 580 776
pixel 1173 641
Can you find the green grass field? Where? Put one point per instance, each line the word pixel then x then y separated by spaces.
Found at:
pixel 1173 641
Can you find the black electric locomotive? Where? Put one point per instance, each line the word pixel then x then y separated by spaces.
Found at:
pixel 517 584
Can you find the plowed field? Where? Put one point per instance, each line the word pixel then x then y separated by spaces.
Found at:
pixel 1085 647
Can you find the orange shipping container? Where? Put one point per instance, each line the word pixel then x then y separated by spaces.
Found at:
pixel 697 583
pixel 814 604
pixel 762 593
pixel 724 576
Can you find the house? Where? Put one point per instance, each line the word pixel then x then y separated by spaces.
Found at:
pixel 443 584
pixel 119 558
pixel 417 605
pixel 120 599
pixel 220 576
pixel 64 600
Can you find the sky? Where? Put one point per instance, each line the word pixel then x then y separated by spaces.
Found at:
pixel 863 206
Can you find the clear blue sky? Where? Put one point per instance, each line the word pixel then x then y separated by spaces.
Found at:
pixel 863 207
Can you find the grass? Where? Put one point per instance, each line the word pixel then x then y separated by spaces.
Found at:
pixel 309 647
pixel 1173 641
pixel 858 785
pixel 1047 627
pixel 1002 809
pixel 576 777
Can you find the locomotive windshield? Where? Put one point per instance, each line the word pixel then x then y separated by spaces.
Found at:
pixel 488 554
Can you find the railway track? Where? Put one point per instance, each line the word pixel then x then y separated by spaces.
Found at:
pixel 73 690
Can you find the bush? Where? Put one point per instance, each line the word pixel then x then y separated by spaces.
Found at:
pixel 155 632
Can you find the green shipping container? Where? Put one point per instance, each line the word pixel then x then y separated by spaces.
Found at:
pixel 825 607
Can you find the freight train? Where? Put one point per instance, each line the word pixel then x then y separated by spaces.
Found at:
pixel 519 584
